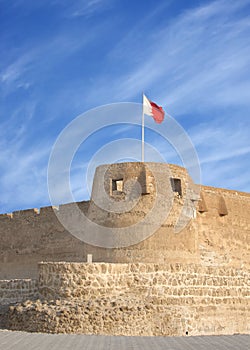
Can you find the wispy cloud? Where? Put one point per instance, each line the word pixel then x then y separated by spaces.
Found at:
pixel 43 57
pixel 89 7
pixel 194 61
pixel 201 57
pixel 23 161
pixel 196 65
pixel 224 154
pixel 23 177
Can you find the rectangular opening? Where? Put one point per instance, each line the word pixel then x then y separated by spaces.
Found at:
pixel 176 186
pixel 117 186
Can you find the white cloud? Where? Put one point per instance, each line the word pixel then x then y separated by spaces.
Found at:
pixel 34 63
pixel 224 153
pixel 200 58
pixel 88 8
pixel 196 64
pixel 22 164
pixel 23 179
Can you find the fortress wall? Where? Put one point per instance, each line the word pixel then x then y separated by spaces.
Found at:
pixel 151 179
pixel 163 245
pixel 28 237
pixel 137 299
pixel 224 229
pixel 81 280
pixel 218 236
pixel 18 290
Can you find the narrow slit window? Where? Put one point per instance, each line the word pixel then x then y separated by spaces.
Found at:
pixel 176 186
pixel 117 185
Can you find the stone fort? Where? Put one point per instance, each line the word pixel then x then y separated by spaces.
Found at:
pixel 151 253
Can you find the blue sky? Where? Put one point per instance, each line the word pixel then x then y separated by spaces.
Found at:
pixel 62 58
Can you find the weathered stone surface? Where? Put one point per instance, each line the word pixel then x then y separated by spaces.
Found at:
pixel 136 299
pixel 31 236
pixel 195 281
pixel 12 291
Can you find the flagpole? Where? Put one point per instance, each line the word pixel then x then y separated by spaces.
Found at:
pixel 142 132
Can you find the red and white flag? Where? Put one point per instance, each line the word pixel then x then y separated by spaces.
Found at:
pixel 152 109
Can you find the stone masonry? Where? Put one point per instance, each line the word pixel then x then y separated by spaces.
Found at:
pixel 190 276
pixel 136 299
pixel 217 233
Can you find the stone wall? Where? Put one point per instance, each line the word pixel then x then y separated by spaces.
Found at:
pixel 224 228
pixel 137 299
pixel 217 235
pixel 31 236
pixel 17 290
pixel 77 280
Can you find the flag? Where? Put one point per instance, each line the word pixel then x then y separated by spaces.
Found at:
pixel 152 109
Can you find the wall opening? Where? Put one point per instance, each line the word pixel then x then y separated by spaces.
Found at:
pixel 117 186
pixel 176 186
